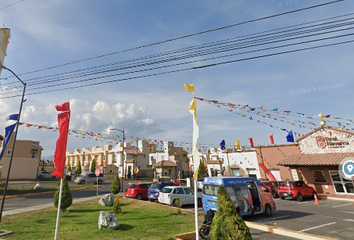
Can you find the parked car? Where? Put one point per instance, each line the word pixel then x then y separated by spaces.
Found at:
pixel 200 183
pixel 44 174
pixel 273 187
pixel 155 188
pixel 138 190
pixel 295 189
pixel 169 194
pixel 89 178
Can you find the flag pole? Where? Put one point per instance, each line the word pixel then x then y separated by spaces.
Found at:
pixel 59 206
pixel 195 178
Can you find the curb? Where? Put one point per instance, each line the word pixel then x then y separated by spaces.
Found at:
pixel 265 228
pixel 337 198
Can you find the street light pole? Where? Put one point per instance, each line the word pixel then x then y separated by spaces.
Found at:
pixel 123 158
pixel 13 145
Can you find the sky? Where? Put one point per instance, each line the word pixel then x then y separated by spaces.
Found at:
pixel 150 48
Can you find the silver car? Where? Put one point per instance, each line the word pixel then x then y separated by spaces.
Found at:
pixel 44 174
pixel 90 178
pixel 200 183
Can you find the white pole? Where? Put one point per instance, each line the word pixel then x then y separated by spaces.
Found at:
pixel 196 210
pixel 58 214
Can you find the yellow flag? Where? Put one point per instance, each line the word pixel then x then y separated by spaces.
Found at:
pixel 238 144
pixel 321 116
pixel 260 107
pixel 189 88
pixel 193 110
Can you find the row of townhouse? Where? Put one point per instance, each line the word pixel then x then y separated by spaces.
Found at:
pixel 127 161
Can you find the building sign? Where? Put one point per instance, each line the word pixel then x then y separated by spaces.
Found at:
pixel 321 142
pixel 334 142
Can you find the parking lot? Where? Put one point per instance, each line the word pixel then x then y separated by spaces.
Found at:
pixel 332 218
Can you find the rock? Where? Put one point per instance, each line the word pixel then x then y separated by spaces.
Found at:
pixel 107 200
pixel 108 221
pixel 38 186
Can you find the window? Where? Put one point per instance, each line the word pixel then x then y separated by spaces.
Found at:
pixel 319 176
pixel 8 152
pixel 33 154
pixel 188 191
pixel 235 172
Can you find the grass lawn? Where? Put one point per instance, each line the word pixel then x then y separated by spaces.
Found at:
pixel 140 220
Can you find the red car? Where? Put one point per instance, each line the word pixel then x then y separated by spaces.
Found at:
pixel 296 190
pixel 272 187
pixel 138 190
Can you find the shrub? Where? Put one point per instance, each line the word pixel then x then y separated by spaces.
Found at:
pixel 177 203
pixel 66 196
pixel 115 186
pixel 116 207
pixel 227 223
pixel 78 169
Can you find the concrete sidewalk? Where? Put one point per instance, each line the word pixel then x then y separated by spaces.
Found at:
pixel 44 206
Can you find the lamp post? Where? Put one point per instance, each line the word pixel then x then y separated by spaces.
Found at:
pixel 13 145
pixel 123 158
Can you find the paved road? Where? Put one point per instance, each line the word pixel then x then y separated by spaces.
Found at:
pixel 332 218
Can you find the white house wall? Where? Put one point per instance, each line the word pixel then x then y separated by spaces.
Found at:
pixel 244 161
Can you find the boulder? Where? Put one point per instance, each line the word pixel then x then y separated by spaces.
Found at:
pixel 108 221
pixel 107 200
pixel 38 186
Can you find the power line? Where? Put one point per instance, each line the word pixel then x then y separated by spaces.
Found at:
pixel 185 36
pixel 189 68
pixel 292 34
pixel 11 4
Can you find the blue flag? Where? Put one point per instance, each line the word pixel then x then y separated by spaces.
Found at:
pixel 222 145
pixel 290 137
pixel 8 131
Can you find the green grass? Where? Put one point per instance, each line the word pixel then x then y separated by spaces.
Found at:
pixel 140 220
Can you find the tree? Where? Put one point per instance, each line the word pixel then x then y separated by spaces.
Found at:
pixel 93 165
pixel 202 170
pixel 78 169
pixel 69 168
pixel 227 223
pixel 115 186
pixel 66 196
pixel 116 206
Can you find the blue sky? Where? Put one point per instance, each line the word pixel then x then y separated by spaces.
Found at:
pixel 51 33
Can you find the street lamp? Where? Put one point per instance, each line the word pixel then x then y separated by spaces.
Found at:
pixel 13 145
pixel 123 158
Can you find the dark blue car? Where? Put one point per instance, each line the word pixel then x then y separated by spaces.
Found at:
pixel 156 187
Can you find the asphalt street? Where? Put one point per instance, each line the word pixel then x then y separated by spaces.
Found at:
pixel 332 218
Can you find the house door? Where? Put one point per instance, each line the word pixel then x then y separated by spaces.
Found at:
pixel 341 185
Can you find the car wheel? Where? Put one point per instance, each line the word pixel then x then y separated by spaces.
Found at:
pixel 151 200
pixel 300 197
pixel 40 176
pixel 99 181
pixel 82 182
pixel 139 197
pixel 174 203
pixel 200 203
pixel 268 210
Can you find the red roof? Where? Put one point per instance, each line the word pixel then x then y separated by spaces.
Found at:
pixel 319 159
pixel 165 164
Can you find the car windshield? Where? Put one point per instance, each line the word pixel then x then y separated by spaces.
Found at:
pixel 166 190
pixel 155 185
pixel 284 184
pixel 211 190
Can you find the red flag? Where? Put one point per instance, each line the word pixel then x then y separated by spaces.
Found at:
pixel 60 150
pixel 271 138
pixel 267 172
pixel 251 141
